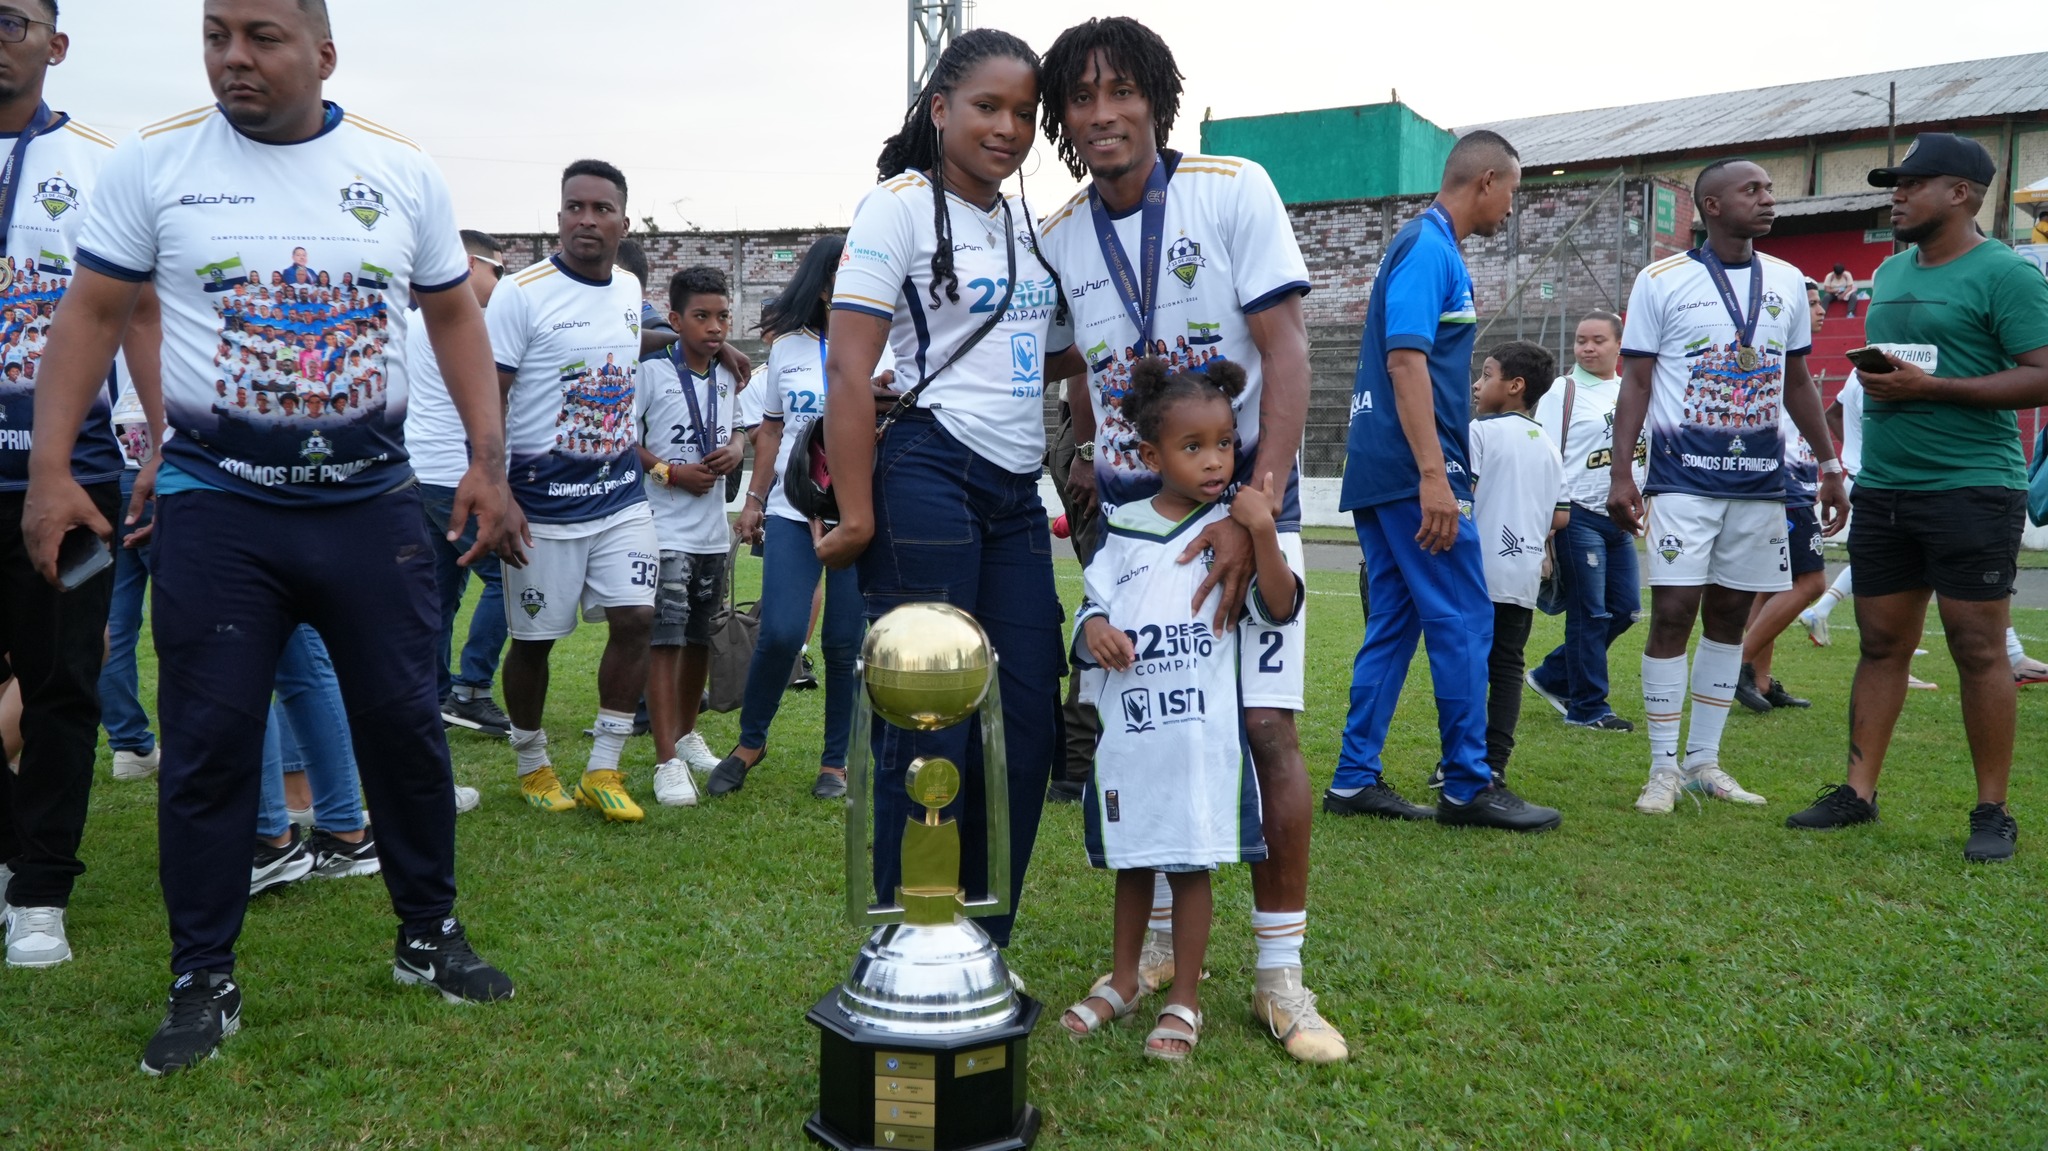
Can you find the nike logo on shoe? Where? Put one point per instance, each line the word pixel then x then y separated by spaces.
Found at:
pixel 426 972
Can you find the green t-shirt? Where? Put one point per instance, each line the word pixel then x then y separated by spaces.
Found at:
pixel 1964 319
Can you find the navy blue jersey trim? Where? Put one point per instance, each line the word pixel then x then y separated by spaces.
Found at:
pixel 1178 529
pixel 106 267
pixel 864 310
pixel 556 260
pixel 1805 351
pixel 660 353
pixel 430 289
pixel 1638 355
pixel 330 119
pixel 1276 297
pixel 506 368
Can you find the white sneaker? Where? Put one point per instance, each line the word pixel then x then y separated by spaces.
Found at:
pixel 674 786
pixel 1559 702
pixel 1816 626
pixel 1660 794
pixel 6 877
pixel 692 749
pixel 35 937
pixel 1709 780
pixel 129 765
pixel 1915 683
pixel 466 799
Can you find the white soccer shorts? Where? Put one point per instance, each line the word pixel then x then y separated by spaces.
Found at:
pixel 615 563
pixel 1738 544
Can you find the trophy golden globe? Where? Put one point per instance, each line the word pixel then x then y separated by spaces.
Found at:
pixel 924 1044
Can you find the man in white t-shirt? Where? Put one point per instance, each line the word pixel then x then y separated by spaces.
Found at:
pixel 570 447
pixel 1715 344
pixel 261 530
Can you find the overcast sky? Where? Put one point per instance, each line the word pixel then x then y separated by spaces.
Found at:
pixel 764 114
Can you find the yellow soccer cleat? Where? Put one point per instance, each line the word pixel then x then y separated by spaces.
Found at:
pixel 606 791
pixel 544 791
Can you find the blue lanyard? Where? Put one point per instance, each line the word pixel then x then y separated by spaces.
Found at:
pixel 705 433
pixel 1140 290
pixel 10 177
pixel 1717 271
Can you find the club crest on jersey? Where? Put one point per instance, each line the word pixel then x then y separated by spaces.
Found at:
pixel 633 322
pixel 531 601
pixel 1670 547
pixel 57 195
pixel 317 449
pixel 1774 304
pixel 363 202
pixel 1137 710
pixel 1184 259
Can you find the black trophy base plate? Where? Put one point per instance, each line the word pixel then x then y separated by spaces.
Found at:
pixel 958 1092
pixel 1023 1137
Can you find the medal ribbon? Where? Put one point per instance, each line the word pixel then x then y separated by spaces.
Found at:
pixel 10 176
pixel 704 432
pixel 1745 329
pixel 1139 290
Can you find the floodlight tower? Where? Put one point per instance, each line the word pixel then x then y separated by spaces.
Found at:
pixel 933 25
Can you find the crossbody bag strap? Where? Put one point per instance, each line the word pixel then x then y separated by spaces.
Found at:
pixel 908 399
pixel 1571 392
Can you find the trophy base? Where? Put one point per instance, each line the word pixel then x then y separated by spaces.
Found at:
pixel 878 1090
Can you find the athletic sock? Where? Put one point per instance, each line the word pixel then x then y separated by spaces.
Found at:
pixel 464 692
pixel 1715 668
pixel 532 749
pixel 1345 792
pixel 609 736
pixel 1162 904
pixel 1279 937
pixel 1836 593
pixel 1663 691
pixel 2014 653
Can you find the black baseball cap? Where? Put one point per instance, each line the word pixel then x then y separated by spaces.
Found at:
pixel 1939 154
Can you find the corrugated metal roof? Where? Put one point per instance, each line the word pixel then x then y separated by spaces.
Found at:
pixel 1846 202
pixel 2008 85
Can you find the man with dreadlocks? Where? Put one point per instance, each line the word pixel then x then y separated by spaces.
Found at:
pixel 1232 287
pixel 942 269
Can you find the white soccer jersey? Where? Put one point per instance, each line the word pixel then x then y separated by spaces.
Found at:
pixel 670 430
pixel 1227 252
pixel 1713 419
pixel 57 184
pixel 434 435
pixel 1173 783
pixel 1588 445
pixel 1520 484
pixel 794 394
pixel 992 399
pixel 749 405
pixel 573 345
pixel 1851 399
pixel 203 210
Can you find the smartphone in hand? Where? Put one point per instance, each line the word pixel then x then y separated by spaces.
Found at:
pixel 80 557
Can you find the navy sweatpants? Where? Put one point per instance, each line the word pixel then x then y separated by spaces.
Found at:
pixel 233 577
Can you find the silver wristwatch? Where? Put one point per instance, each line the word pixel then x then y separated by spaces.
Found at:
pixel 1085 451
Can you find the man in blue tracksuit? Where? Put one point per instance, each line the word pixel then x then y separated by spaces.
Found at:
pixel 1410 498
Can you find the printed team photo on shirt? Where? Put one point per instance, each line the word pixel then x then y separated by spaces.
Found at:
pixel 303 350
pixel 595 423
pixel 33 289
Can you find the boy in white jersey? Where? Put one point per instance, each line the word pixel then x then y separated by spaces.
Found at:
pixel 684 405
pixel 1732 323
pixel 574 470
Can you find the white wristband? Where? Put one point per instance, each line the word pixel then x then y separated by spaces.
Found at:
pixel 1831 467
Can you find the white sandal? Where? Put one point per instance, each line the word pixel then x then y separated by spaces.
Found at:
pixel 1187 1015
pixel 1092 1020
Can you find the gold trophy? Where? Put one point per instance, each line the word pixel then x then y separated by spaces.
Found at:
pixel 924 1044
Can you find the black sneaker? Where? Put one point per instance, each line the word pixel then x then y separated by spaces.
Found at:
pixel 1837 806
pixel 729 776
pixel 335 858
pixel 277 866
pixel 443 960
pixel 1746 693
pixel 205 1008
pixel 1994 834
pixel 830 785
pixel 1608 722
pixel 1497 807
pixel 478 713
pixel 804 674
pixel 1777 696
pixel 1379 800
pixel 1064 791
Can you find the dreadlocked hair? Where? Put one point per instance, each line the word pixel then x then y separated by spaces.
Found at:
pixel 920 146
pixel 1156 388
pixel 1129 49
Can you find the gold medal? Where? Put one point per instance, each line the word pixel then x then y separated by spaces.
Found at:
pixel 1746 359
pixel 6 273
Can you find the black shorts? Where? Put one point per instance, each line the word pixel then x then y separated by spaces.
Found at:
pixel 1964 543
pixel 1802 541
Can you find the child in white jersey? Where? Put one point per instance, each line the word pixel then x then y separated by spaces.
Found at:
pixel 1173 789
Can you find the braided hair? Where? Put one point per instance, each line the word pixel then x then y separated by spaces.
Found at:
pixel 919 145
pixel 1156 388
pixel 1130 49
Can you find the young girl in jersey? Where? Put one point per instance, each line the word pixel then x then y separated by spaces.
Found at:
pixel 1173 789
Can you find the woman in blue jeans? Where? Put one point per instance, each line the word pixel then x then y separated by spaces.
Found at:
pixel 309 732
pixel 941 269
pixel 795 396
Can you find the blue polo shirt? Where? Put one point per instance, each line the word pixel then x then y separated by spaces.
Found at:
pixel 1422 300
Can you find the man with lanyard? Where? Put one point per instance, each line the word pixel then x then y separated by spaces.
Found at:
pixel 1940 499
pixel 1410 498
pixel 1728 325
pixel 1215 264
pixel 260 529
pixel 52 640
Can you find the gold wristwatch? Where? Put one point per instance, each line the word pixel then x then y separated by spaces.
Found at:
pixel 660 472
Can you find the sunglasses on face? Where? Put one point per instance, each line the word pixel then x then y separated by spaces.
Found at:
pixel 497 267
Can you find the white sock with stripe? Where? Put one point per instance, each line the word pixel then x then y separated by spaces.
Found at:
pixel 1663 692
pixel 1836 593
pixel 1715 667
pixel 610 733
pixel 1279 937
pixel 1162 904
pixel 532 749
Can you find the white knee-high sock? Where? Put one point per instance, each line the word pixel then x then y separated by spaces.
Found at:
pixel 1715 667
pixel 609 739
pixel 1162 904
pixel 1279 937
pixel 1836 593
pixel 532 749
pixel 1663 695
pixel 2014 653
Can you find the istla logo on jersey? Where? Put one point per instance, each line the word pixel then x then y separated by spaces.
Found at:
pixel 531 601
pixel 317 449
pixel 57 195
pixel 1670 547
pixel 1137 710
pixel 363 202
pixel 1184 259
pixel 1024 364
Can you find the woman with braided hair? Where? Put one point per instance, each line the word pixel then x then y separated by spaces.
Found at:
pixel 941 268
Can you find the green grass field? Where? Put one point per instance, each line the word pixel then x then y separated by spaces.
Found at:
pixel 1706 980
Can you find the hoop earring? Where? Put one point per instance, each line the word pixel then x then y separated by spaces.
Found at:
pixel 1035 160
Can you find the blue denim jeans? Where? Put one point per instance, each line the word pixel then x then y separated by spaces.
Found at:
pixel 1597 561
pixel 308 731
pixel 486 642
pixel 789 575
pixel 954 528
pixel 121 710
